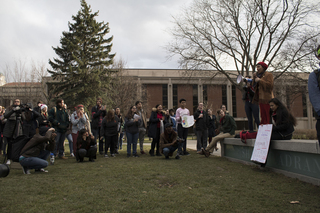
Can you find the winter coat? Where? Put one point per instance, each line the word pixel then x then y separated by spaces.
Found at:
pixel 228 125
pixel 212 126
pixel 201 123
pixel 264 89
pixel 10 129
pixel 78 123
pixel 38 143
pixel 110 128
pixel 131 126
pixel 59 119
pixel 153 123
pixel 97 117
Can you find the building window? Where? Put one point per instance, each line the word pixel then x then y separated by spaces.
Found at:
pixel 224 95
pixel 175 96
pixel 195 97
pixel 205 94
pixel 234 101
pixel 164 96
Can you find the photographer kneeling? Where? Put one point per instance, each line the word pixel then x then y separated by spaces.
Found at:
pixel 169 142
pixel 86 146
pixel 35 153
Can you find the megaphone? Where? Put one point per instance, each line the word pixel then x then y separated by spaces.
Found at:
pixel 240 79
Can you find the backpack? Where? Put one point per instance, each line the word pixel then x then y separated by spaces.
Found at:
pixel 244 135
pixel 17 145
pixel 317 72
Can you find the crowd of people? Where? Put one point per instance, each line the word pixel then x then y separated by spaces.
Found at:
pixel 48 129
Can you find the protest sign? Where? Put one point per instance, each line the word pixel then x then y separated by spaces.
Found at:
pixel 262 143
pixel 187 121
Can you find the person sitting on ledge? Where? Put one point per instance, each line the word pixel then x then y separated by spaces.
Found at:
pixel 35 153
pixel 86 146
pixel 282 120
pixel 169 142
pixel 227 130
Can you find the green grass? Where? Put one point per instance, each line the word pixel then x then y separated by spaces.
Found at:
pixel 153 184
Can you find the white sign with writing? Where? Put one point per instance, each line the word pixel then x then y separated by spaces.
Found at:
pixel 187 121
pixel 261 146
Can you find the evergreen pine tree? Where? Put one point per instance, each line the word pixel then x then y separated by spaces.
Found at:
pixel 81 72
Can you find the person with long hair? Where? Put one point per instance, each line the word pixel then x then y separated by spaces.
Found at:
pixel 121 130
pixel 157 115
pixel 78 120
pixel 282 120
pixel 86 146
pixel 132 123
pixel 43 118
pixel 109 130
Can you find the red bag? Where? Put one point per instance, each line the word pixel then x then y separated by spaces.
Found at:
pixel 244 135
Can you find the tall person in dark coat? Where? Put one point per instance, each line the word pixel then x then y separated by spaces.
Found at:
pixel 13 127
pixel 157 115
pixel 212 125
pixel 98 112
pixel 202 123
pixel 109 129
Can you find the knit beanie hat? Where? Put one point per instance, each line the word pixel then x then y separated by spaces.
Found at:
pixel 264 65
pixel 43 106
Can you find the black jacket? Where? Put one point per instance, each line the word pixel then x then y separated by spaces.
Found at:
pixel 110 128
pixel 248 94
pixel 153 123
pixel 96 112
pixel 201 123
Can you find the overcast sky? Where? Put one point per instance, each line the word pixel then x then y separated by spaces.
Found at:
pixel 29 29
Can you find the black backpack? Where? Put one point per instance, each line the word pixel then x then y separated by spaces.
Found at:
pixel 17 145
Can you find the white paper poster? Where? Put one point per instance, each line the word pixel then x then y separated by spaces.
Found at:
pixel 187 121
pixel 261 146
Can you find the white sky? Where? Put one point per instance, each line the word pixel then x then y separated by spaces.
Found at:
pixel 29 29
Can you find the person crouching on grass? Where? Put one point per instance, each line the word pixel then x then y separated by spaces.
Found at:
pixel 86 146
pixel 35 153
pixel 227 130
pixel 169 142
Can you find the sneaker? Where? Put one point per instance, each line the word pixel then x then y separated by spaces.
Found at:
pixel 158 154
pixel 26 171
pixel 63 158
pixel 177 157
pixel 135 155
pixel 8 162
pixel 101 153
pixel 40 170
pixel 167 157
pixel 128 155
pixel 112 155
pixel 91 160
pixel 117 153
pixel 186 153
pixel 71 155
pixel 142 152
pixel 106 156
pixel 180 153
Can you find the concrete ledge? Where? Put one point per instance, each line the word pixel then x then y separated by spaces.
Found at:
pixel 294 158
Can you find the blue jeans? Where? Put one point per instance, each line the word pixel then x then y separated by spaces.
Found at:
pixel 97 135
pixel 250 109
pixel 36 162
pixel 70 140
pixel 168 150
pixel 59 143
pixel 120 140
pixel 132 139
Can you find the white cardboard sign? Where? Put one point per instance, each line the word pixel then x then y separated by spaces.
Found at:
pixel 187 121
pixel 262 143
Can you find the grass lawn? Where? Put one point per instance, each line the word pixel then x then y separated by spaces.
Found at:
pixel 153 184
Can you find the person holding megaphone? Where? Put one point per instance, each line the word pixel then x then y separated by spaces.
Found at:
pixel 263 87
pixel 250 107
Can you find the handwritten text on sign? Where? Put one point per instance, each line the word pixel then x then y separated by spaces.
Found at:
pixel 261 146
